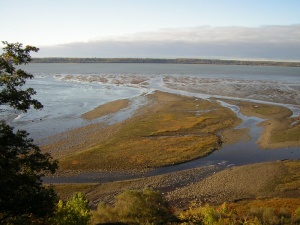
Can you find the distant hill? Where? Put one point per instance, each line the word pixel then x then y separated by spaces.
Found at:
pixel 170 61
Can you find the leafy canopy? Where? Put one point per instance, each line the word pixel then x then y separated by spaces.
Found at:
pixel 12 80
pixel 22 164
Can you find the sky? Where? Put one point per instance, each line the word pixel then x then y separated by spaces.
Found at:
pixel 226 29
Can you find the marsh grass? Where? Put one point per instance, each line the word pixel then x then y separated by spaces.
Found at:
pixel 264 110
pixel 286 132
pixel 135 207
pixel 280 129
pixel 174 129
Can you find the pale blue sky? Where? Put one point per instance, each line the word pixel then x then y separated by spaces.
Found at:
pixel 59 22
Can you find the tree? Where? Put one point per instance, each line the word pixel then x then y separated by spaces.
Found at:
pixel 22 164
pixel 12 80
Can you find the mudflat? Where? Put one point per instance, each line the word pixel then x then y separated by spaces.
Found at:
pixel 172 129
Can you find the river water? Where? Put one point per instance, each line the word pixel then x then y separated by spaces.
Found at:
pixel 69 90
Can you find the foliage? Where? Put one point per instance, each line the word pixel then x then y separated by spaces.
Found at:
pixel 22 165
pixel 208 215
pixel 139 207
pixel 225 214
pixel 12 80
pixel 23 197
pixel 74 212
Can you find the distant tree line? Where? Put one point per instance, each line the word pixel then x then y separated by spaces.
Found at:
pixel 170 61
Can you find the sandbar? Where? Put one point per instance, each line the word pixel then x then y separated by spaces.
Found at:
pixel 105 109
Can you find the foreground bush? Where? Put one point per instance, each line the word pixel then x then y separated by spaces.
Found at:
pixel 226 215
pixel 135 207
pixel 74 212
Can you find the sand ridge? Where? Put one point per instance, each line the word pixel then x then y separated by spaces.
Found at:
pixel 105 109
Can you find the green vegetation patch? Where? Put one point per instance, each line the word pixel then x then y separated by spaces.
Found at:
pixel 135 207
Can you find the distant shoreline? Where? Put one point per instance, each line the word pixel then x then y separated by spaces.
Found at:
pixel 166 61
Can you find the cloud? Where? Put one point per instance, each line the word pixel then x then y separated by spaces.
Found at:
pixel 207 34
pixel 264 42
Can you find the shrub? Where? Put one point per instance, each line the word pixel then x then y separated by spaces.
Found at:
pixel 104 214
pixel 208 215
pixel 74 212
pixel 132 206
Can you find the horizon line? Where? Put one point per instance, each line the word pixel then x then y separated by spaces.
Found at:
pixel 176 58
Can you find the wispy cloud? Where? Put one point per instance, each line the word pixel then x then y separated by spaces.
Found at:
pixel 269 42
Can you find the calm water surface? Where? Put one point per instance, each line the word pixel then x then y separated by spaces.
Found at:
pixel 291 74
